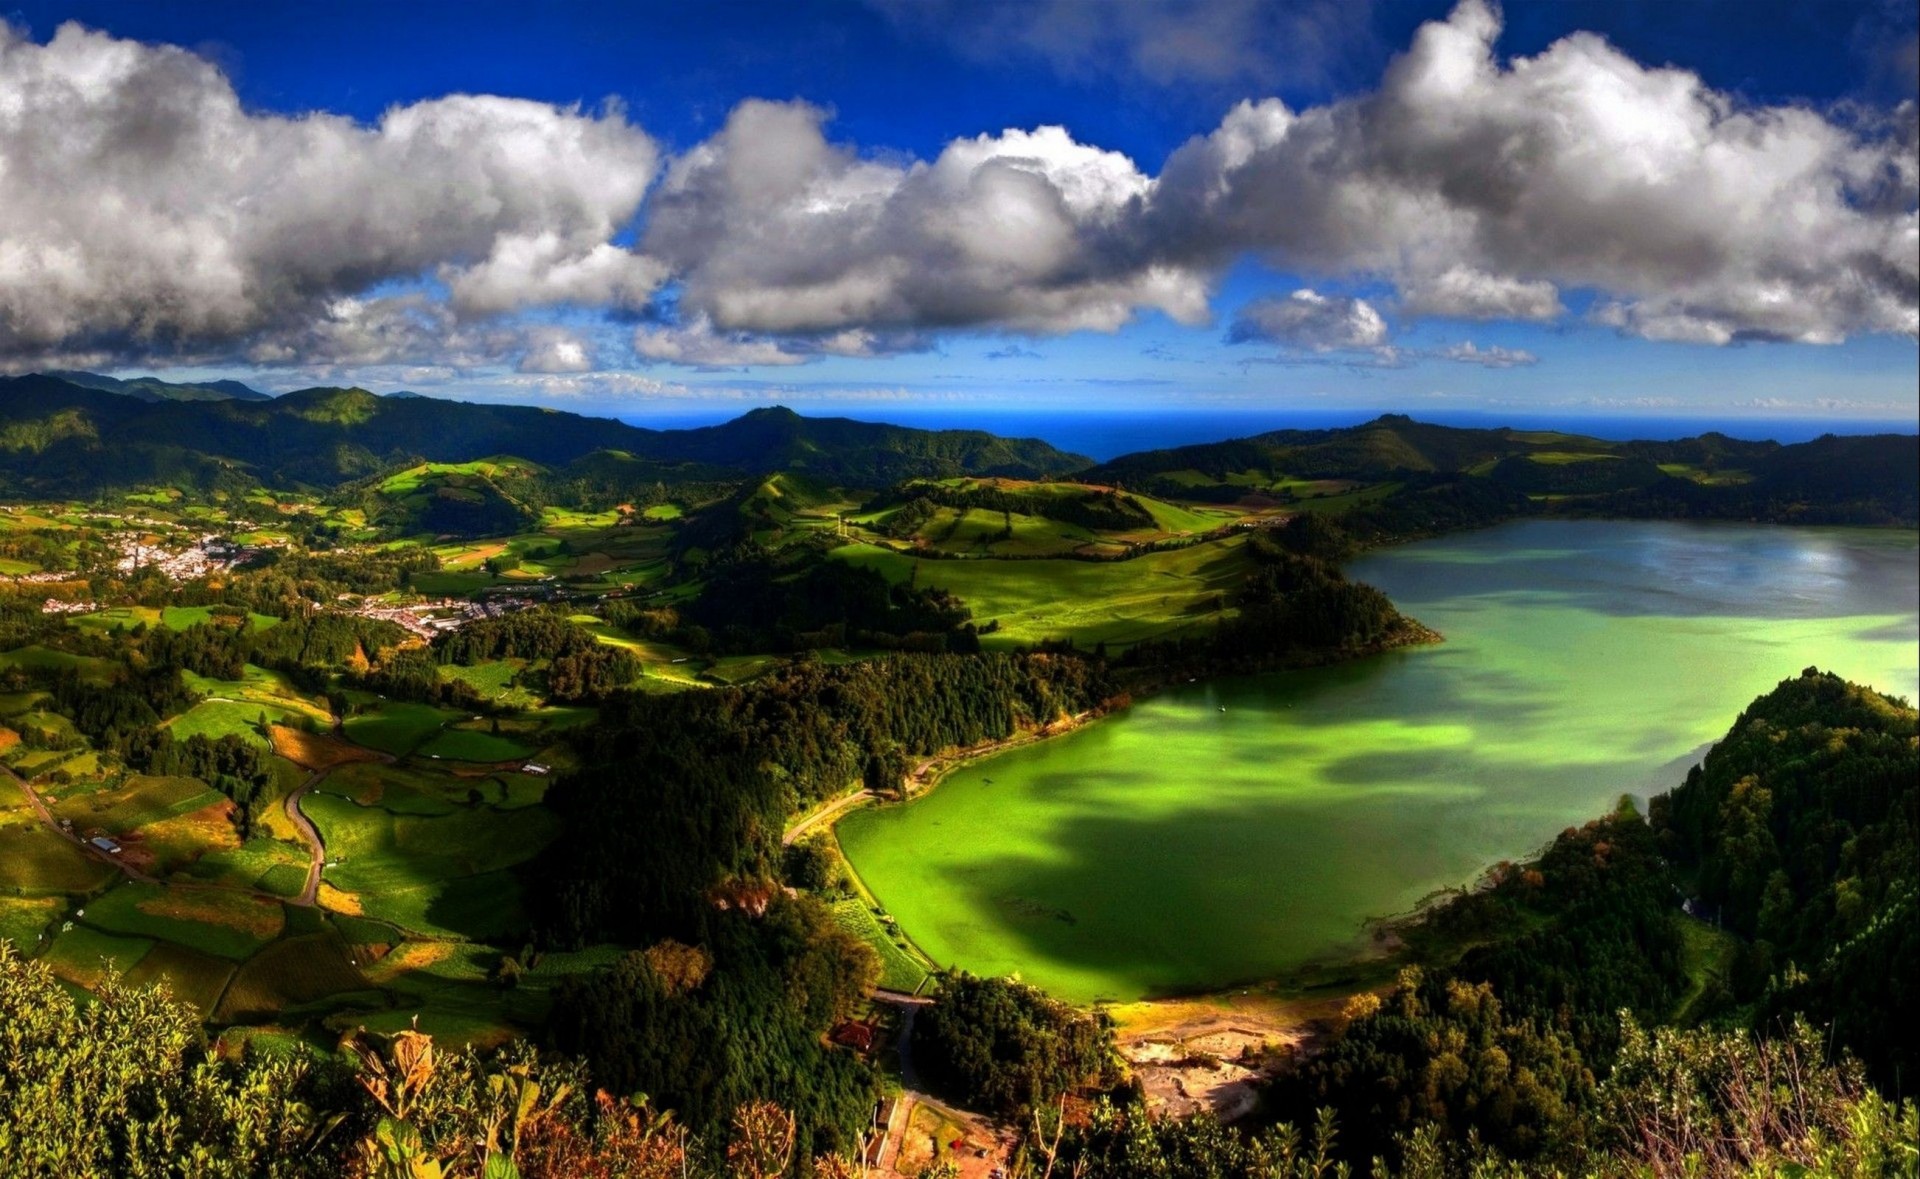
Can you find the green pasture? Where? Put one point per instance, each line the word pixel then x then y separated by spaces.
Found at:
pixel 194 977
pixel 463 744
pixel 432 874
pixel 292 972
pixel 900 968
pixel 214 719
pixel 1728 477
pixel 34 860
pixel 263 686
pixel 268 865
pixel 1116 602
pixel 1335 504
pixel 84 955
pixel 1562 458
pixel 397 726
pixel 38 658
pixel 412 479
pixel 1706 957
pixel 224 923
pixel 184 617
pixel 24 921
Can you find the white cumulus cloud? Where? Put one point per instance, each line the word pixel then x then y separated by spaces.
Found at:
pixel 144 211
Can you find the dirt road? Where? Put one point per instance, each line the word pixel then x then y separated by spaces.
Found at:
pixel 825 816
pixel 46 816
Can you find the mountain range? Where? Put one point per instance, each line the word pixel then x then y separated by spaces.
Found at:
pixel 62 437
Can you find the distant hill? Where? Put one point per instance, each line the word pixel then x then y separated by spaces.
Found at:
pixel 1871 479
pixel 155 389
pixel 62 437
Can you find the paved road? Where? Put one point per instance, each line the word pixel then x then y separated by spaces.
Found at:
pixel 316 846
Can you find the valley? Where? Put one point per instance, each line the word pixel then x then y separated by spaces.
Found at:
pixel 500 749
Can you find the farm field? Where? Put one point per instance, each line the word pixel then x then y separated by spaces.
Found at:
pixel 1113 602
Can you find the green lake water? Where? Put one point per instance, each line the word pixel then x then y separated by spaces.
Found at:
pixel 1234 830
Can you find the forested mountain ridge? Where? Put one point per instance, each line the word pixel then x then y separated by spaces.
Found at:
pixel 1867 479
pixel 154 389
pixel 58 437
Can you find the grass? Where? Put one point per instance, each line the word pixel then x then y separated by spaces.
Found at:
pixel 900 969
pixel 258 685
pixel 291 972
pixel 183 617
pixel 221 922
pixel 313 751
pixel 38 658
pixel 83 955
pixel 215 719
pixel 435 874
pixel 269 865
pixel 1117 602
pixel 34 860
pixel 192 976
pixel 470 745
pixel 24 920
pixel 1706 958
pixel 397 727
pixel 141 801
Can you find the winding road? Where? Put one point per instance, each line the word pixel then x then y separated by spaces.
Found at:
pixel 316 846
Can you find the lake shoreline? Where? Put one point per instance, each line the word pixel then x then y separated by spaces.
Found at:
pixel 925 777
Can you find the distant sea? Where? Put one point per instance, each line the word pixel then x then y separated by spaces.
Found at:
pixel 1105 436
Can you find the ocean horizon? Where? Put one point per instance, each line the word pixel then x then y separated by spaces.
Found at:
pixel 1107 435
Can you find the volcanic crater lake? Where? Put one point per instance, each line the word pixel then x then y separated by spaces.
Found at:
pixel 1235 830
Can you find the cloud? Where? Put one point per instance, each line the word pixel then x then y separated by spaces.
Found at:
pixel 1309 320
pixel 1461 292
pixel 148 216
pixel 1493 356
pixel 1012 352
pixel 148 213
pixel 557 351
pixel 1166 42
pixel 1481 188
pixel 769 228
pixel 698 344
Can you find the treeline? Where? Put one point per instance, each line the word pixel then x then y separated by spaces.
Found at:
pixel 124 1083
pixel 578 667
pixel 1097 509
pixel 1000 1046
pixel 1296 606
pixel 1508 1043
pixel 736 1015
pixel 1800 832
pixel 761 604
pixel 683 794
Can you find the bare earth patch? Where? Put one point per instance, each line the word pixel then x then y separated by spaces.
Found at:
pixel 315 751
pixel 1211 1052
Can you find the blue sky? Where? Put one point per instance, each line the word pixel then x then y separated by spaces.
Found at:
pixel 1566 207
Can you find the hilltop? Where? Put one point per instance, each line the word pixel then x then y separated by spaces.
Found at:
pixel 1869 479
pixel 60 437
